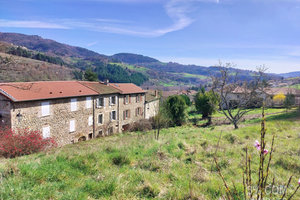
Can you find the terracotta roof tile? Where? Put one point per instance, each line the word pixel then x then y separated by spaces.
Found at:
pixel 29 91
pixel 127 88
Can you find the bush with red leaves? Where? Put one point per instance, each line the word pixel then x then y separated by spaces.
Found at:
pixel 24 142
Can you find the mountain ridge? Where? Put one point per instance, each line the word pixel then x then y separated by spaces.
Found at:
pixel 135 65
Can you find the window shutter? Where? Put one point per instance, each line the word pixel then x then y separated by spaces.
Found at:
pixel 110 116
pixel 45 108
pixel 90 120
pixel 72 125
pixel 46 132
pixel 73 104
pixel 129 98
pixel 128 113
pixel 103 101
pixel 109 100
pixel 124 114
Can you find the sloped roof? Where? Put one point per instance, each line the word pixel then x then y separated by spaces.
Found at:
pixel 150 96
pixel 285 91
pixel 127 88
pixel 29 91
pixel 100 88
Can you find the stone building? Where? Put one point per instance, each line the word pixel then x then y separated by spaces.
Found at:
pixel 151 104
pixel 70 111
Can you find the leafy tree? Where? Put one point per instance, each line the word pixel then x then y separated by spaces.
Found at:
pixel 175 108
pixel 289 101
pixel 89 75
pixel 186 99
pixel 78 75
pixel 206 103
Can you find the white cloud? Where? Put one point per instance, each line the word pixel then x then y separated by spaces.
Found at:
pixel 177 10
pixel 30 24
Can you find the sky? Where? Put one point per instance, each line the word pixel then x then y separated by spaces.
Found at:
pixel 246 33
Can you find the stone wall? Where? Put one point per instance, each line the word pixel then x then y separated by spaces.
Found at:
pixel 151 108
pixel 132 105
pixel 5 117
pixel 58 120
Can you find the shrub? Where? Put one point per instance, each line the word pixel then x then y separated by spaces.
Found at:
pixel 142 125
pixel 24 142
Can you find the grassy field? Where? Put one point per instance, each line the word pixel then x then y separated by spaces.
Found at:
pixel 192 75
pixel 136 166
pixel 297 86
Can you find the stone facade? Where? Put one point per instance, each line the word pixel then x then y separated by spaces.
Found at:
pixel 58 120
pixel 110 122
pixel 151 108
pixel 131 109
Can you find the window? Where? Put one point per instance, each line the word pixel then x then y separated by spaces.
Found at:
pixel 126 99
pixel 45 108
pixel 126 114
pixel 112 100
pixel 90 120
pixel 100 102
pixel 73 104
pixel 113 115
pixel 72 125
pixel 138 111
pixel 88 102
pixel 100 119
pixel 138 98
pixel 46 132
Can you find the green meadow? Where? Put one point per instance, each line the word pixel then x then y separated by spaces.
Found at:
pixel 179 165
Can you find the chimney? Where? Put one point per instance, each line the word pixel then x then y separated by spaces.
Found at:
pixel 106 81
pixel 156 93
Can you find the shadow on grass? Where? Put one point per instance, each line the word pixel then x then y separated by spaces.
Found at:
pixel 282 116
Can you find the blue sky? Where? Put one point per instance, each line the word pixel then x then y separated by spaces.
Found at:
pixel 248 33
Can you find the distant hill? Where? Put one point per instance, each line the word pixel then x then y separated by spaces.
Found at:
pixel 38 43
pixel 131 58
pixel 291 74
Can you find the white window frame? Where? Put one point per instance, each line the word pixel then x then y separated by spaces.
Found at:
pixel 98 102
pixel 45 107
pixel 73 104
pixel 90 120
pixel 111 115
pixel 102 118
pixel 46 132
pixel 88 102
pixel 111 100
pixel 72 125
pixel 127 99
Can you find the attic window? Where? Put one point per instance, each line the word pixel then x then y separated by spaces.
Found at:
pixel 79 90
pixel 50 93
pixel 60 92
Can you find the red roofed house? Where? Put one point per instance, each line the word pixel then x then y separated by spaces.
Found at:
pixel 70 111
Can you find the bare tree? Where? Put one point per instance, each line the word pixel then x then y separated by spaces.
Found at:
pixel 238 97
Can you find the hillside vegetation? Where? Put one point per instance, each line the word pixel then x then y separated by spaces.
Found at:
pixel 16 68
pixel 136 166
